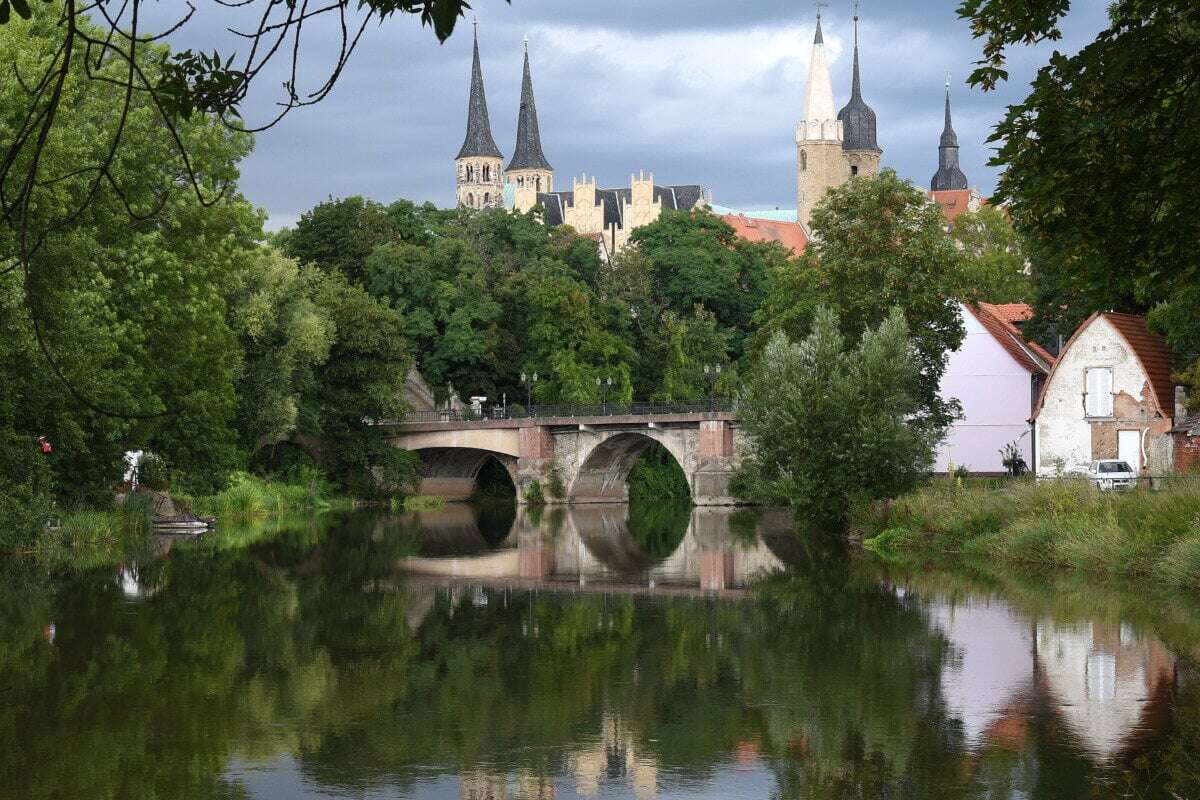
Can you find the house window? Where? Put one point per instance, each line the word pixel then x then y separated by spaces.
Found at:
pixel 1098 397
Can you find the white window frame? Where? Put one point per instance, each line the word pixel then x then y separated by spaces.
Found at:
pixel 1097 404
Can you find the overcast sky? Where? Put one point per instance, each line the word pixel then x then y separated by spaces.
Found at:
pixel 697 92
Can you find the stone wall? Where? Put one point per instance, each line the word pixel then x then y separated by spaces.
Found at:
pixel 820 166
pixel 479 182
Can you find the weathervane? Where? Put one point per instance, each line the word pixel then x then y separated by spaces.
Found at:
pixel 947 81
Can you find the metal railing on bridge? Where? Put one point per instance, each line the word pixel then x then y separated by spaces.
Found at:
pixel 513 412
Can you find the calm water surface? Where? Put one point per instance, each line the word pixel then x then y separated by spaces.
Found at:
pixel 593 652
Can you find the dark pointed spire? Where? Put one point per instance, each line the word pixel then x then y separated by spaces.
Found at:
pixel 949 174
pixel 527 154
pixel 479 141
pixel 818 38
pixel 858 118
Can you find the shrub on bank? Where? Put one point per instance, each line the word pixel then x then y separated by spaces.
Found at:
pixel 249 495
pixel 1064 524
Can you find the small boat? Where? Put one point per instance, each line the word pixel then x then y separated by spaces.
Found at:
pixel 184 523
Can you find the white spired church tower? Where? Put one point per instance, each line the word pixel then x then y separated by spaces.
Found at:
pixel 831 148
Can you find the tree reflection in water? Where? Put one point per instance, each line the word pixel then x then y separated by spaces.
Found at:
pixel 307 651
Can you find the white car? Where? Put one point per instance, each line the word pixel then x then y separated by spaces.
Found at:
pixel 1111 473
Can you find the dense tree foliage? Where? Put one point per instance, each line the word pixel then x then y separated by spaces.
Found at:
pixel 1102 160
pixel 994 264
pixel 831 424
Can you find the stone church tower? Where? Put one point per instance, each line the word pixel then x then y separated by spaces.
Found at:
pixel 820 163
pixel 479 162
pixel 529 166
pixel 949 174
pixel 858 125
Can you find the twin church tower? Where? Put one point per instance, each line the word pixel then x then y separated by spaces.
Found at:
pixel 480 172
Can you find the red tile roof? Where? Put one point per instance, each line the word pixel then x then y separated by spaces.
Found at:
pixel 1027 354
pixel 953 202
pixel 1149 348
pixel 1152 351
pixel 789 234
pixel 1013 313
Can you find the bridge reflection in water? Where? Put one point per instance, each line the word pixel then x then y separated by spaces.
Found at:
pixel 597 548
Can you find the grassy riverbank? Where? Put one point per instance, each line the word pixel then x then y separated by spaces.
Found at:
pixel 1056 524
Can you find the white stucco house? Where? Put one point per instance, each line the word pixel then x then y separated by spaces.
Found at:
pixel 1109 396
pixel 996 374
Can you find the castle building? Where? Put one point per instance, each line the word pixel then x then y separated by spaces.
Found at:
pixel 479 181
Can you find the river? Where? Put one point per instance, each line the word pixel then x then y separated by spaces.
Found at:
pixel 588 652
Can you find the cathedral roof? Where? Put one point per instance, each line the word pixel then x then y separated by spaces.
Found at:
pixel 479 141
pixel 528 151
pixel 858 118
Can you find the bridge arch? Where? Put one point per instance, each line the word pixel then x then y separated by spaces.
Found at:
pixel 604 470
pixel 453 472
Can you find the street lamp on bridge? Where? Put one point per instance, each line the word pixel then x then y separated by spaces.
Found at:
pixel 529 381
pixel 604 385
pixel 712 372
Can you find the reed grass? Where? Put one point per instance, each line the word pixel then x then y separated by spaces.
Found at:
pixel 1059 524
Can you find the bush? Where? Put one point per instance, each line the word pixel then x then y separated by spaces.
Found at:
pixel 555 486
pixel 533 494
pixel 427 502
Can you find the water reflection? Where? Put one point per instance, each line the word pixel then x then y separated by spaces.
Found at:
pixel 666 549
pixel 314 662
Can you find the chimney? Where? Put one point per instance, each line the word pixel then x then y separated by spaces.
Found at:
pixel 1181 402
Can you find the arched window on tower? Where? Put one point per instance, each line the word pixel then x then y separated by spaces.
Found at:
pixel 471 200
pixel 803 161
pixel 487 197
pixel 487 173
pixel 520 182
pixel 470 173
pixel 539 183
pixel 853 170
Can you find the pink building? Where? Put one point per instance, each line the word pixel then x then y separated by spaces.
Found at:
pixel 996 375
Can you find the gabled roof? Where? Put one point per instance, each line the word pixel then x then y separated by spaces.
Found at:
pixel 1028 354
pixel 1148 348
pixel 789 234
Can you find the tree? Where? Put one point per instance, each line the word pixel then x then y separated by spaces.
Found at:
pixel 361 382
pixel 878 245
pixel 1102 159
pixel 283 336
pixel 831 425
pixel 339 235
pixel 697 259
pixel 993 258
pixel 129 316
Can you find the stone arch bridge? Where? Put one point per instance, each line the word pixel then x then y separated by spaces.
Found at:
pixel 592 455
